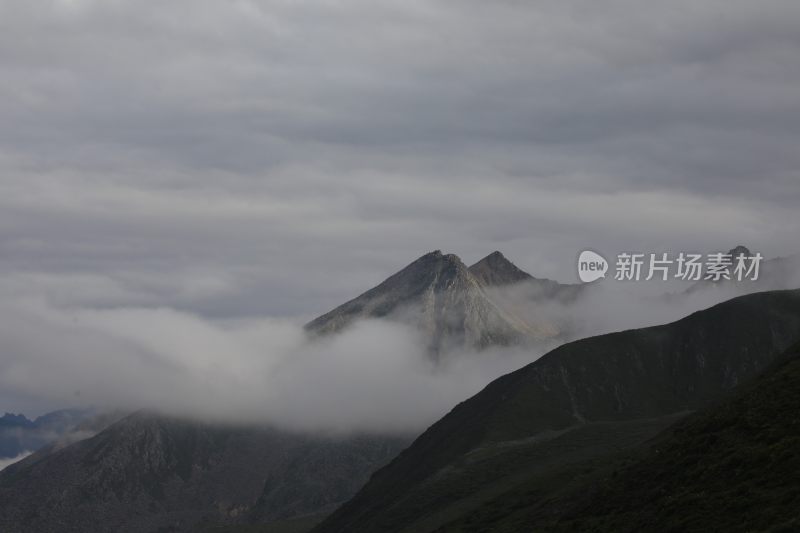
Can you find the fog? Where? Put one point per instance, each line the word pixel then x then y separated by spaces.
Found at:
pixel 375 376
pixel 185 182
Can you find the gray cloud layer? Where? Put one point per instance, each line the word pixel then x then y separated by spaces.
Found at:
pixel 374 377
pixel 231 160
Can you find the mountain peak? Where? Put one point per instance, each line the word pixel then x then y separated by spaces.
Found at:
pixel 495 269
pixel 434 257
pixel 438 294
pixel 15 418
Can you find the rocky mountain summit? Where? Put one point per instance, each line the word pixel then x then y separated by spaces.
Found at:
pixel 496 270
pixel 452 305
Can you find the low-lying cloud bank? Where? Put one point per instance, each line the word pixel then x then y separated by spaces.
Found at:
pixel 374 377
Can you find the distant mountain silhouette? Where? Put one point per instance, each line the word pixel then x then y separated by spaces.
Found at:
pixel 18 434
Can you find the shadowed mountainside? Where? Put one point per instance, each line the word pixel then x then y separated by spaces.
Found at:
pixel 731 467
pixel 152 473
pixel 580 402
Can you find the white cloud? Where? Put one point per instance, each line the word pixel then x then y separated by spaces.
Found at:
pixel 173 172
pixel 375 376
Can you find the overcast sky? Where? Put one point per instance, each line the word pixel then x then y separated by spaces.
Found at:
pixel 274 157
pixel 238 158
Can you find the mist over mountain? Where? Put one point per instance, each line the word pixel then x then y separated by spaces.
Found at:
pixel 268 243
pixel 376 373
pixel 730 466
pixel 19 435
pixel 296 419
pixel 581 401
pixel 149 471
pixel 449 303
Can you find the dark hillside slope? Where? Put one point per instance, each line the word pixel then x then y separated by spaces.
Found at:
pixel 153 473
pixel 638 379
pixel 732 467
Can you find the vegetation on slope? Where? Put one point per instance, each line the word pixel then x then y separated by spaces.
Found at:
pixel 732 467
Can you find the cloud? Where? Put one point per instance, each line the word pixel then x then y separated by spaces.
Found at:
pixel 60 348
pixel 272 145
pixel 204 165
pixel 373 377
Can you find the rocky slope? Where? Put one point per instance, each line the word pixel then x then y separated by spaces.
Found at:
pixel 495 270
pixel 150 473
pixel 581 401
pixel 447 302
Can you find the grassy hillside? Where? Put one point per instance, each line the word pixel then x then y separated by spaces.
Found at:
pixel 579 407
pixel 732 467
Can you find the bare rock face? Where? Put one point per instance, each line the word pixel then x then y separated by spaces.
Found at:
pixel 496 270
pixel 446 301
